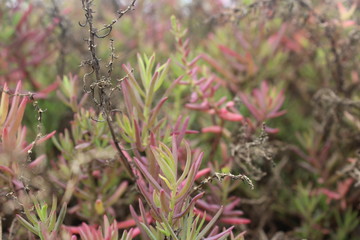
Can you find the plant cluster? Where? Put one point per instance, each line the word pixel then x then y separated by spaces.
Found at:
pixel 185 120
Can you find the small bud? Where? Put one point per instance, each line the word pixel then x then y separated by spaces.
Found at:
pixel 99 207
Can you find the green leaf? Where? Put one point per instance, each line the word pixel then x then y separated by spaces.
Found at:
pixel 61 217
pixel 156 199
pixel 142 71
pixel 165 168
pixel 210 224
pixel 149 233
pixel 149 67
pixel 166 153
pixel 32 217
pixel 187 164
pixel 162 228
pixel 167 182
pixel 168 227
pixel 43 213
pixel 27 225
pixel 150 94
pixel 52 215
pixel 199 227
pixel 133 81
pixel 163 74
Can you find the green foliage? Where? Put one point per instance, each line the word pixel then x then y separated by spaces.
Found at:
pixel 209 92
pixel 43 224
pixel 347 223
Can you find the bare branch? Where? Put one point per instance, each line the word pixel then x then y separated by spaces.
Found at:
pixel 101 87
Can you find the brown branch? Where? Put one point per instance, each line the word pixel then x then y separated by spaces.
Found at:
pixel 99 88
pixel 109 27
pixel 39 112
pixel 220 177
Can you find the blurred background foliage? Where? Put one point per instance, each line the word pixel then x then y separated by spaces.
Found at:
pixel 270 89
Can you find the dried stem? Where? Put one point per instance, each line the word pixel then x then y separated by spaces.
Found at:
pixel 101 85
pixel 220 177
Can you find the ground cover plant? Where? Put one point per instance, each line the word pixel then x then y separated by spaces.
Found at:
pixel 182 120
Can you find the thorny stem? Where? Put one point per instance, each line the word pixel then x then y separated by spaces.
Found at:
pixel 38 126
pixel 39 112
pixel 109 26
pixel 220 177
pixel 113 57
pixel 102 83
